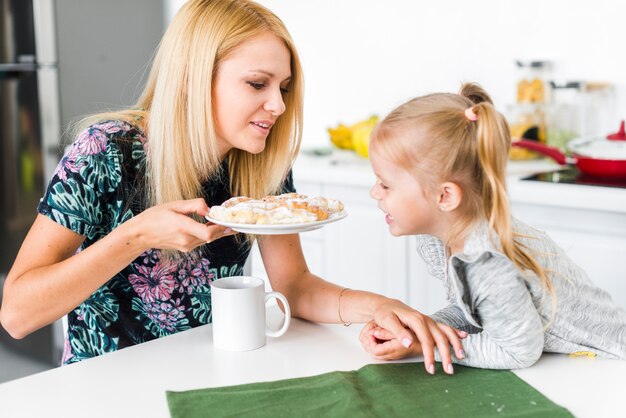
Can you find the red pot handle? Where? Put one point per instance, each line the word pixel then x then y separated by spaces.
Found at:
pixel 619 135
pixel 552 152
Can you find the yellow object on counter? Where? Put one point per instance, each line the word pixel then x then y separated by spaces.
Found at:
pixel 526 122
pixel 341 136
pixel 582 354
pixel 521 154
pixel 354 137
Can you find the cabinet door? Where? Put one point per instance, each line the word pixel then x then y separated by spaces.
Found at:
pixel 594 240
pixel 359 251
pixel 600 257
pixel 313 254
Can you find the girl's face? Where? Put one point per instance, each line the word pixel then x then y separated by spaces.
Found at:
pixel 408 210
pixel 248 93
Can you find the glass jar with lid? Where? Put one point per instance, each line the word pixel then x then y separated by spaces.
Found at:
pixel 599 109
pixel 565 119
pixel 531 84
pixel 580 108
pixel 527 117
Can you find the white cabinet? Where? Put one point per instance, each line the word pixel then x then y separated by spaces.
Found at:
pixel 357 252
pixel 593 239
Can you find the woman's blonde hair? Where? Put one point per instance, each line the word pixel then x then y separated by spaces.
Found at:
pixel 432 137
pixel 176 110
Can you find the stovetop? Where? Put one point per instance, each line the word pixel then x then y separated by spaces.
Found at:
pixel 573 176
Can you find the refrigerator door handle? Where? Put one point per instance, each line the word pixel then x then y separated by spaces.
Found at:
pixel 50 117
pixel 45 31
pixel 17 68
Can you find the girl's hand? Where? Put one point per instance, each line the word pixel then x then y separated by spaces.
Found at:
pixel 382 346
pixel 410 327
pixel 168 226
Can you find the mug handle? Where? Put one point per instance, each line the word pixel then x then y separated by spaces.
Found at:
pixel 270 332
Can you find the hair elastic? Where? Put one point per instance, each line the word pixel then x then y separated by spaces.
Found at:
pixel 469 113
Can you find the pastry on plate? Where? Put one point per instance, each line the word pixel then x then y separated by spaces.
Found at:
pixel 288 208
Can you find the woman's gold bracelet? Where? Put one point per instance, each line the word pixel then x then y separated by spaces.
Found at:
pixel 346 324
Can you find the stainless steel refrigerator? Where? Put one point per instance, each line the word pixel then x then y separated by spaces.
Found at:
pixel 60 60
pixel 29 137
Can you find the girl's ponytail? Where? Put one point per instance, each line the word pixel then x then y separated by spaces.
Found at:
pixel 493 143
pixel 493 147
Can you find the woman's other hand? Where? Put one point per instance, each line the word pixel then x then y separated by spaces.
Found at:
pixel 169 226
pixel 410 328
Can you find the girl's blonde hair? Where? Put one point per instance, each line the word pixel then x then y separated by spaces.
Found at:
pixel 176 110
pixel 432 137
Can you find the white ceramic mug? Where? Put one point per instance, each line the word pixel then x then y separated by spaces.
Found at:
pixel 238 309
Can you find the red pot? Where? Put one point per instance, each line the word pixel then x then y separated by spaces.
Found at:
pixel 600 157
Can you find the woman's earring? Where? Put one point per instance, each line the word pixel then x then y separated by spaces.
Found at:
pixel 442 208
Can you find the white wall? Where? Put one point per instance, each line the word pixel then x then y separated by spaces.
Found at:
pixel 104 49
pixel 171 6
pixel 367 56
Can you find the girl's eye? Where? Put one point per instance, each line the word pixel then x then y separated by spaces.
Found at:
pixel 256 86
pixel 284 90
pixel 383 186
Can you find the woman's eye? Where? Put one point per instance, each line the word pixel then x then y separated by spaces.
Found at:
pixel 284 90
pixel 256 86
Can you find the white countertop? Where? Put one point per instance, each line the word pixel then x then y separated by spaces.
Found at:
pixel 347 169
pixel 133 381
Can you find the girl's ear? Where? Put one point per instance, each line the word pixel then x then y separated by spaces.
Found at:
pixel 450 197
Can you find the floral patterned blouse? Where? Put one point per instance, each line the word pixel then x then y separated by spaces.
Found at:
pixel 92 192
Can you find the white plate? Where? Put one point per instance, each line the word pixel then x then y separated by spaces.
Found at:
pixel 279 229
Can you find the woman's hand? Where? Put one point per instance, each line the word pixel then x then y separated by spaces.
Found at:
pixel 49 279
pixel 411 328
pixel 169 226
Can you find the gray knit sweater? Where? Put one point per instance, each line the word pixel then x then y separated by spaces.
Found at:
pixel 506 311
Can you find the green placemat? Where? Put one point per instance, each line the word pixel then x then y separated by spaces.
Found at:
pixel 376 390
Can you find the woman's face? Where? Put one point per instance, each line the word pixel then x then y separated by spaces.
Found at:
pixel 248 93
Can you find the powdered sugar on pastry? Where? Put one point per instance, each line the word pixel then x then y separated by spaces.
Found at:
pixel 282 209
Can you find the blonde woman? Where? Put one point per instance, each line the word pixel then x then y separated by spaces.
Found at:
pixel 440 162
pixel 119 244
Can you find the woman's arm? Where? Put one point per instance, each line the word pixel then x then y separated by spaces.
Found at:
pixel 48 279
pixel 314 299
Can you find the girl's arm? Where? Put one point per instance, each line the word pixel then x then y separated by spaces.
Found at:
pixel 48 279
pixel 493 297
pixel 314 299
pixel 452 315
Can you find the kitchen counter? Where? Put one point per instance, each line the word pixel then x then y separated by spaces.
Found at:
pixel 347 169
pixel 132 382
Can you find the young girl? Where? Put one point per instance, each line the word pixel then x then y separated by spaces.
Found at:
pixel 440 162
pixel 115 246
